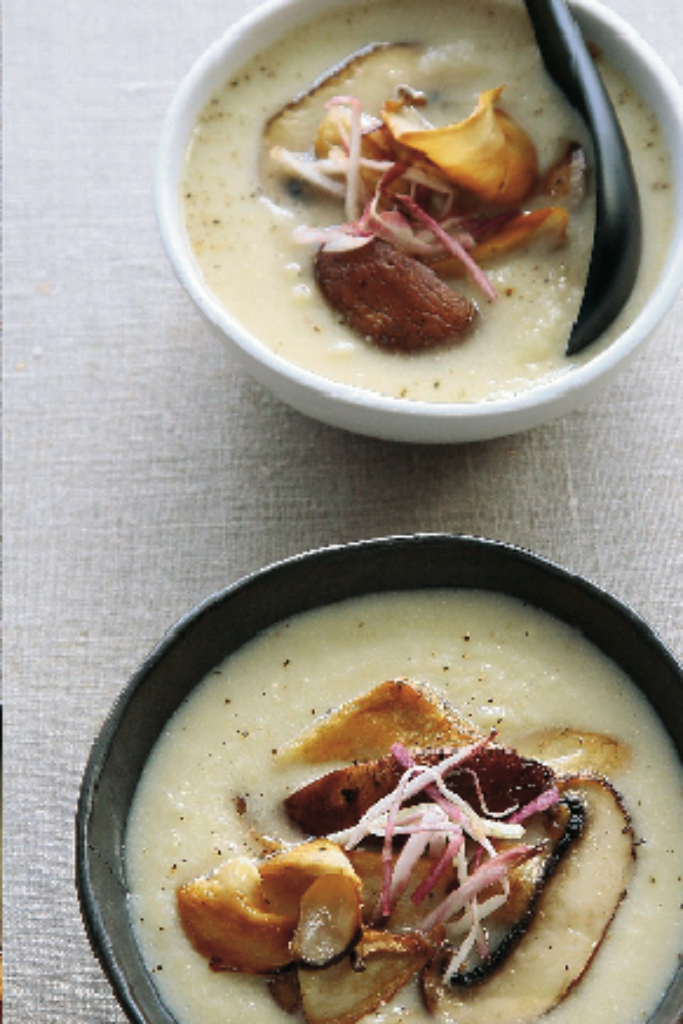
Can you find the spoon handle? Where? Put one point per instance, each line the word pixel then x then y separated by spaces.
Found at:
pixel 617 239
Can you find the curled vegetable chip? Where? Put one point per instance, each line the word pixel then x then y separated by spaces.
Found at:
pixel 549 222
pixel 488 153
pixel 244 915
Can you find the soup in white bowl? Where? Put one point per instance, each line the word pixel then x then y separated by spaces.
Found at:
pixel 240 214
pixel 245 215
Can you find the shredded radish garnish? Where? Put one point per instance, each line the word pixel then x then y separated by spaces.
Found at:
pixel 484 909
pixel 405 865
pixel 460 956
pixel 480 796
pixel 476 825
pixel 338 238
pixel 387 863
pixel 445 235
pixel 491 871
pixel 452 245
pixel 307 170
pixel 436 822
pixel 402 755
pixel 423 776
pixel 547 799
pixel 479 226
pixel 353 181
pixel 447 857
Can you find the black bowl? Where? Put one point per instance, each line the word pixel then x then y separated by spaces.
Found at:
pixel 224 622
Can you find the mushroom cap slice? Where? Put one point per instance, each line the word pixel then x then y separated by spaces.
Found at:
pixel 391 298
pixel 227 920
pixel 244 915
pixel 287 875
pixel 572 919
pixel 383 963
pixel 329 920
pixel 567 178
pixel 365 74
pixel 338 799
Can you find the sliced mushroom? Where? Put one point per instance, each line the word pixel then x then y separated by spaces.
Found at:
pixel 572 919
pixel 227 920
pixel 364 728
pixel 567 178
pixel 284 988
pixel 243 916
pixel 383 963
pixel 365 74
pixel 286 876
pixel 329 921
pixel 337 800
pixel 551 833
pixel 575 750
pixel 391 298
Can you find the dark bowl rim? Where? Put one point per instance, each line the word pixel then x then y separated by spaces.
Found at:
pixel 101 746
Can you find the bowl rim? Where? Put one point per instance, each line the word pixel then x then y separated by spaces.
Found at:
pixel 536 404
pixel 96 912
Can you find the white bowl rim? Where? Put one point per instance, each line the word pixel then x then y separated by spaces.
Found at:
pixel 504 414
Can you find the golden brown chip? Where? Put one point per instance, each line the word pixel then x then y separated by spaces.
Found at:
pixel 364 728
pixel 243 916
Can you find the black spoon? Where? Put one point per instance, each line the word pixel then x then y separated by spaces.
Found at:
pixel 617 240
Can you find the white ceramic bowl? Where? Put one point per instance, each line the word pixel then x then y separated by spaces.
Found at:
pixel 364 411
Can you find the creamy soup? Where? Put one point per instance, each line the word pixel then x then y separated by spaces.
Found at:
pixel 241 226
pixel 216 771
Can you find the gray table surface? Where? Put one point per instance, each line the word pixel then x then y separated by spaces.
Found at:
pixel 144 469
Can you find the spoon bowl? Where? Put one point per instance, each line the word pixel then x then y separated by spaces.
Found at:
pixel 617 239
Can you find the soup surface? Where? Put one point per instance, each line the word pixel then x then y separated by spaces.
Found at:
pixel 240 222
pixel 216 772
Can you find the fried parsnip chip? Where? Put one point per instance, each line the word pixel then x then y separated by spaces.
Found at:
pixel 397 710
pixel 548 224
pixel 488 153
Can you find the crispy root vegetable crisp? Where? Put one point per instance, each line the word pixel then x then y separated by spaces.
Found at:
pixel 440 858
pixel 418 205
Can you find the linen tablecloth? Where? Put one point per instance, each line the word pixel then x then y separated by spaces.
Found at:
pixel 144 469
